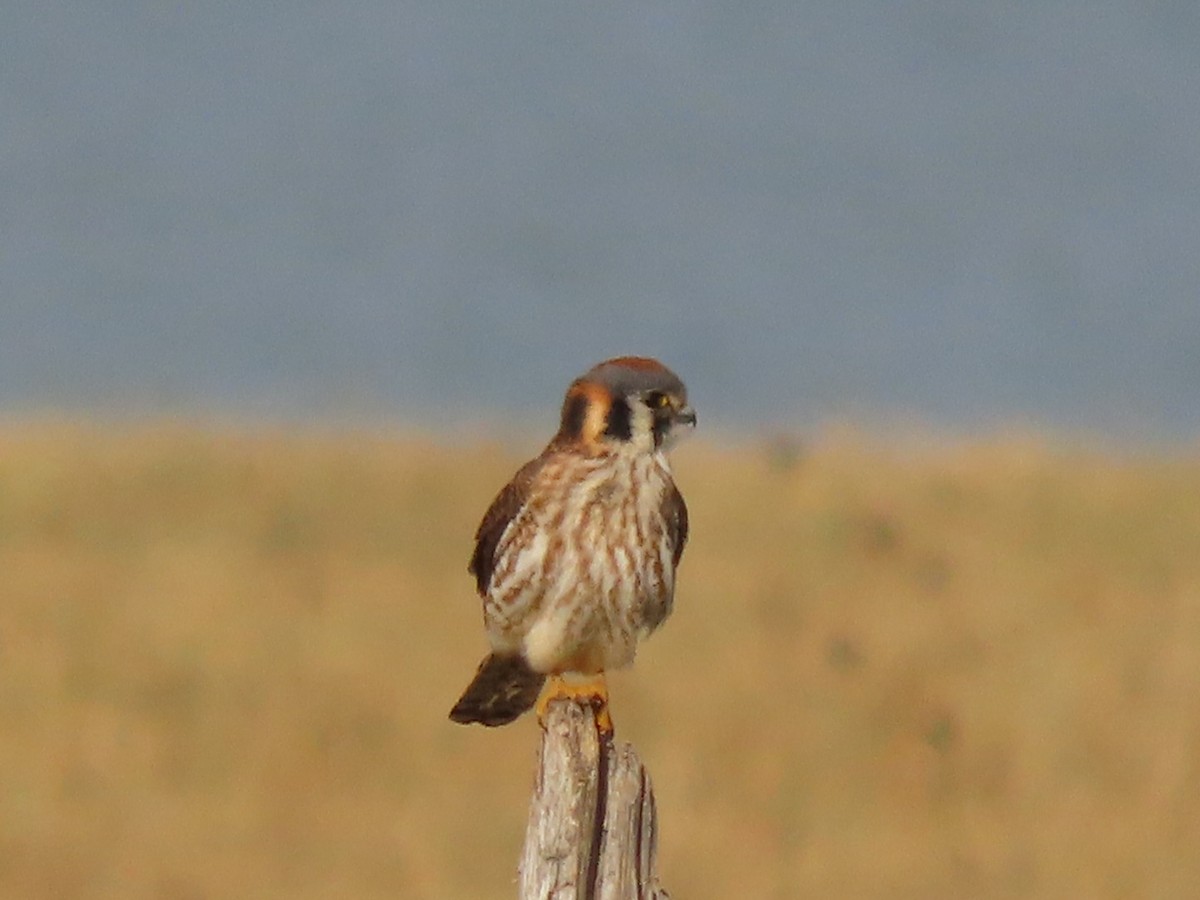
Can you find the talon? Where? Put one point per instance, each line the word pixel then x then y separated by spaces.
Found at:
pixel 592 692
pixel 604 722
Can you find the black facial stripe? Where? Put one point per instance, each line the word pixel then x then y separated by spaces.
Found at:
pixel 574 415
pixel 662 424
pixel 619 423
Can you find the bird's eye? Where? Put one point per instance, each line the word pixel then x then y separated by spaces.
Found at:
pixel 657 400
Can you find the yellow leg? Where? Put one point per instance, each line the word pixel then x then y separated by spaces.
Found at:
pixel 591 692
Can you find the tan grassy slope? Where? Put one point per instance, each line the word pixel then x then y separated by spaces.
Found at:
pixel 226 660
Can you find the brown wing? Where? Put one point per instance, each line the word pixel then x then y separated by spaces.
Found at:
pixel 502 511
pixel 675 514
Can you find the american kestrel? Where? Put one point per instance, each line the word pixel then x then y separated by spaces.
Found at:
pixel 575 559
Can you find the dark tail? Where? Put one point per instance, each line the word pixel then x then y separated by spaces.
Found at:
pixel 502 689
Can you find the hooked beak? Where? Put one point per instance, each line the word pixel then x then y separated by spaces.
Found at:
pixel 685 415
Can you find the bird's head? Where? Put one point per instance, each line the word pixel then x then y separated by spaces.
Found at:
pixel 630 399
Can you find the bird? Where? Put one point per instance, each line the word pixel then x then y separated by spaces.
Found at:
pixel 575 558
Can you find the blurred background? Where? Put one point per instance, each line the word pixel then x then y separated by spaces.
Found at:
pixel 286 293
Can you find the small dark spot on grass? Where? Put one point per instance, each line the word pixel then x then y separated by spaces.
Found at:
pixel 785 452
pixel 941 733
pixel 879 534
pixel 844 655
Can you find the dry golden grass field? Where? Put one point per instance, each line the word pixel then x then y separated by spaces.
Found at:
pixel 939 671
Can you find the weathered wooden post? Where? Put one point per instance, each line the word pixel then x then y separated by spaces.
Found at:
pixel 593 827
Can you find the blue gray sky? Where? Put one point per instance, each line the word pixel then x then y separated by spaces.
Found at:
pixel 963 214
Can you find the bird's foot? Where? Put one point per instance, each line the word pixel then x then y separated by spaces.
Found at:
pixel 591 692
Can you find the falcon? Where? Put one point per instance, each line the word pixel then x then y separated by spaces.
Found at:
pixel 575 559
